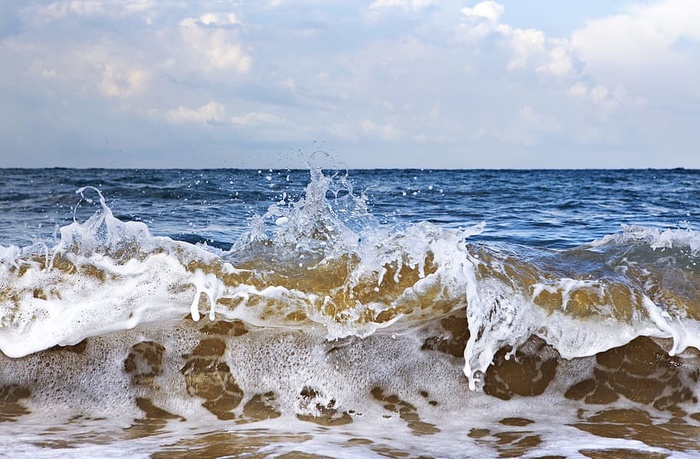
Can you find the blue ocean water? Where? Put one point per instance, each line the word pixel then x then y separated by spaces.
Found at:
pixel 361 313
pixel 542 208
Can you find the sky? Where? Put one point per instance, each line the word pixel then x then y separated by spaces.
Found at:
pixel 372 84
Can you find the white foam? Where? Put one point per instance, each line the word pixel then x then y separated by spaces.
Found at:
pixel 103 232
pixel 209 285
pixel 144 279
pixel 655 238
pixel 77 305
pixel 501 314
pixel 497 316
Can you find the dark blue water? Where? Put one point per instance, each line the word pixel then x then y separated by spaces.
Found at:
pixel 541 208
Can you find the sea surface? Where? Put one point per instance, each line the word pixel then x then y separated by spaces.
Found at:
pixel 363 313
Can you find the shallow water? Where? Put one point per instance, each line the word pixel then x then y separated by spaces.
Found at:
pixel 389 313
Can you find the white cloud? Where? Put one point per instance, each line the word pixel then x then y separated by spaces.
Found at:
pixel 215 113
pixel 465 75
pixel 525 126
pixel 211 37
pixel 364 129
pixel 408 5
pixel 58 10
pixel 211 112
pixel 210 19
pixel 649 48
pixel 604 98
pixel 227 55
pixel 101 67
pixel 257 119
pixel 219 19
pixel 485 10
pixel 560 63
pixel 529 48
pixel 387 9
pixel 537 121
pixel 386 131
pixel 525 43
pixel 120 82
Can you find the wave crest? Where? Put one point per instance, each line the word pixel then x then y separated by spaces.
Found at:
pixel 324 261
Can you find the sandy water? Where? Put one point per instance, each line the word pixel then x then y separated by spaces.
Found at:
pixel 364 314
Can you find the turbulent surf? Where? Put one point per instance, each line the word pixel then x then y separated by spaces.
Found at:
pixel 430 313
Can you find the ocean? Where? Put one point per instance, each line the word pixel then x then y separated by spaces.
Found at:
pixel 349 313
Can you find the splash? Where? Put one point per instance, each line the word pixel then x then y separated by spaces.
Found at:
pixel 324 261
pixel 320 321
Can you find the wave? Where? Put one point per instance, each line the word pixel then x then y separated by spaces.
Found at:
pixel 323 260
pixel 321 314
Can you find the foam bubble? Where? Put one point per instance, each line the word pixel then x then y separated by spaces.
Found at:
pixel 322 263
pixel 655 238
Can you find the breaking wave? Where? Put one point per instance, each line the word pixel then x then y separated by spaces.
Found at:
pixel 318 311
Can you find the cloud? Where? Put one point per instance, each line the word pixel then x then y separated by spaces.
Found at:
pixel 526 44
pixel 214 113
pixel 364 129
pixel 209 113
pixel 529 48
pixel 646 48
pixel 257 119
pixel 384 131
pixel 211 37
pixel 393 11
pixel 640 33
pixel 485 10
pixel 560 63
pixel 448 77
pixel 102 68
pixel 122 82
pixel 218 19
pixel 605 98
pixel 60 10
pixel 407 5
pixel 538 121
